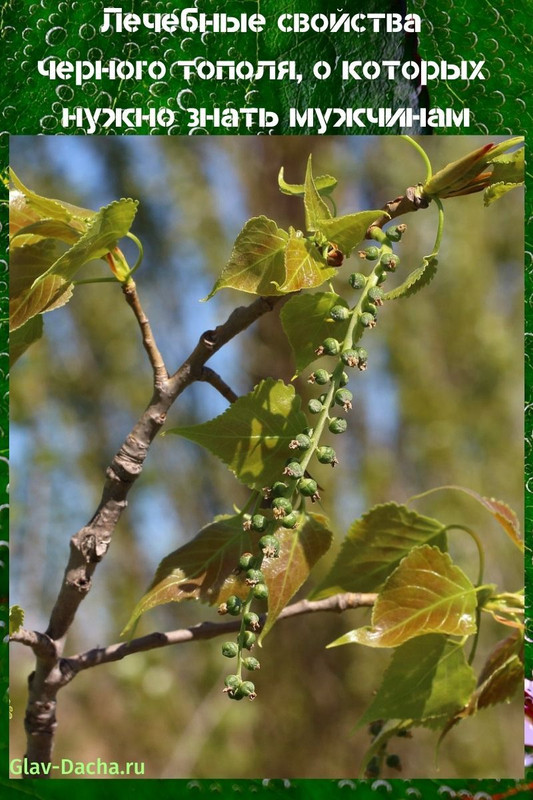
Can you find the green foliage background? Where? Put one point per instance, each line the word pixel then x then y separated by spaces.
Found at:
pixel 452 29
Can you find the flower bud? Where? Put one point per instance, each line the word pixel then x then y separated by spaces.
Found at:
pixel 357 280
pixel 337 425
pixel 230 649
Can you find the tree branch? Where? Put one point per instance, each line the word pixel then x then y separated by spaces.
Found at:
pixel 403 204
pixel 156 359
pixel 207 630
pixel 210 376
pixel 90 544
pixel 40 643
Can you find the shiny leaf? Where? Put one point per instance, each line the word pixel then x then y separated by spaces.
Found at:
pixel 374 546
pixel 324 184
pixel 26 207
pixel 16 618
pixel 349 230
pixel 299 552
pixel 427 593
pixel 304 319
pixel 305 266
pixel 20 340
pixel 428 677
pixel 252 436
pixel 257 263
pixel 315 208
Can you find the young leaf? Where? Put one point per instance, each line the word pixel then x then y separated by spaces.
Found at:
pixel 16 619
pixel 53 287
pixel 252 436
pixel 428 677
pixel 20 340
pixel 305 266
pixel 508 168
pixel 497 190
pixel 427 593
pixel 349 230
pixel 299 552
pixel 374 546
pixel 257 262
pixel 417 279
pixel 45 229
pixel 304 319
pixel 199 569
pixel 26 207
pixel 324 184
pixel 501 512
pixel 315 207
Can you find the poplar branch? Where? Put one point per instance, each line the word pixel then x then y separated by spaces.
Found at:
pixel 208 630
pixel 210 376
pixel 150 345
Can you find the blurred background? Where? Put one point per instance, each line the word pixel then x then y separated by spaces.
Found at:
pixel 440 403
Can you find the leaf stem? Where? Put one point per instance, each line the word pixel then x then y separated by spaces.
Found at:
pixel 422 152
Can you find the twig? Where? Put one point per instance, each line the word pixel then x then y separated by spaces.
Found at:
pixel 90 544
pixel 208 630
pixel 403 204
pixel 40 643
pixel 156 359
pixel 210 376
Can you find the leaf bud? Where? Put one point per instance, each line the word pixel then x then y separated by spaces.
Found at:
pixel 269 546
pixel 368 320
pixel 339 313
pixel 230 649
pixel 246 560
pixel 314 406
pixel 260 591
pixel 251 663
pixel 326 455
pixel 247 689
pixel 389 261
pixel 290 521
pixel 279 488
pixel 321 376
pixel 343 397
pixel 375 295
pixel 370 253
pixel 251 620
pixel 331 346
pixel 337 425
pixel 248 639
pixel 259 523
pixel 344 379
pixel 396 232
pixel 334 256
pixel 357 280
pixel 308 487
pixel 281 506
pixel 234 605
pixel 301 442
pixel 254 576
pixel 294 469
pixel 232 682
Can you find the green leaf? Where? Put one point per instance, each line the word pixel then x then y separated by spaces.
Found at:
pixel 508 168
pixel 497 190
pixel 304 321
pixel 16 619
pixel 20 340
pixel 418 278
pixel 257 262
pixel 252 436
pixel 427 677
pixel 204 568
pixel 349 230
pixel 53 287
pixel 315 207
pixel 324 184
pixel 46 228
pixel 26 207
pixel 501 512
pixel 305 266
pixel 427 593
pixel 374 546
pixel 199 570
pixel 299 552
